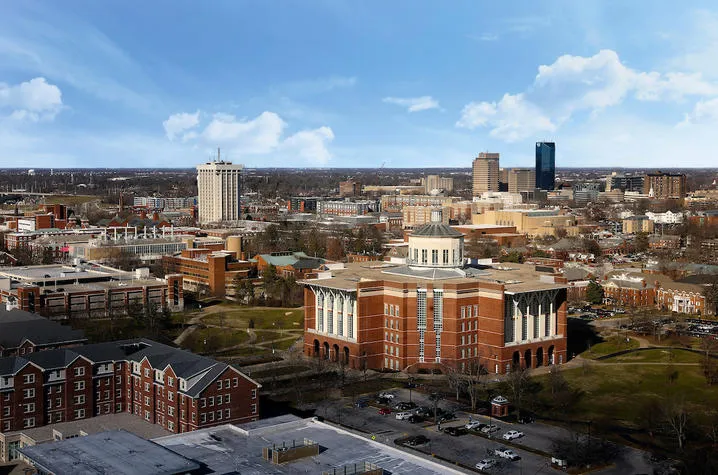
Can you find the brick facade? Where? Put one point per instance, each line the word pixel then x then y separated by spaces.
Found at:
pixel 472 328
pixel 40 392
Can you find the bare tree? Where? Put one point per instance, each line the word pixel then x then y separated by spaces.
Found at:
pixel 710 292
pixel 454 378
pixel 474 379
pixel 518 382
pixel 675 414
pixel 709 364
pixel 435 398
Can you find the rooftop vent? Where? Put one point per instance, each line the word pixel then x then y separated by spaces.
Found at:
pixel 286 453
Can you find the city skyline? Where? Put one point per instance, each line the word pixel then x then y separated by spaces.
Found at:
pixel 337 85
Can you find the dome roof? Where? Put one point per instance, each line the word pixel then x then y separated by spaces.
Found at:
pixel 436 230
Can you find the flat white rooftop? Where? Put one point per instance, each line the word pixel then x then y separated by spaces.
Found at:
pixel 238 449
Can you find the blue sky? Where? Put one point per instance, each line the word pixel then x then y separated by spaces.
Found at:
pixel 335 83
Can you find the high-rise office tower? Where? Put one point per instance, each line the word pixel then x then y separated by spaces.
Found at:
pixel 219 189
pixel 545 165
pixel 486 173
pixel 521 179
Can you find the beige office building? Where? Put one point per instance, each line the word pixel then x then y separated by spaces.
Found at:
pixel 532 222
pixel 521 179
pixel 219 189
pixel 436 182
pixel 486 173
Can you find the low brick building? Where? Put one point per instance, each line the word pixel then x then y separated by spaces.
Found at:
pixel 174 388
pixel 630 290
pixel 213 270
pixel 87 290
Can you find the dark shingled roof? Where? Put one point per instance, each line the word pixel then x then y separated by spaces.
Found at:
pixel 17 326
pixel 436 230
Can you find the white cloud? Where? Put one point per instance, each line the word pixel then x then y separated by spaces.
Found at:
pixel 262 136
pixel 602 80
pixel 55 43
pixel 414 104
pixel 513 118
pixel 703 112
pixel 33 100
pixel 256 136
pixel 311 145
pixel 579 83
pixel 176 124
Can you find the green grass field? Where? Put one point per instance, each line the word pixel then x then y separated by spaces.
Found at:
pixel 622 393
pixel 656 356
pixel 263 317
pixel 215 338
pixel 612 345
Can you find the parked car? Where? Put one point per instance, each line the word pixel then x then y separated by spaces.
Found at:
pixel 475 425
pixel 489 429
pixel 417 440
pixel 424 411
pixel 405 406
pixel 414 419
pixel 456 431
pixel 526 419
pixel 513 434
pixel 410 385
pixel 384 411
pixel 403 415
pixel 486 463
pixel 386 395
pixel 361 403
pixel 447 416
pixel 505 453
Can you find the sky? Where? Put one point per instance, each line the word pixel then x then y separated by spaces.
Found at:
pixel 334 83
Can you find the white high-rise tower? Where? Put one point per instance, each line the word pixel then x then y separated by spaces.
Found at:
pixel 219 189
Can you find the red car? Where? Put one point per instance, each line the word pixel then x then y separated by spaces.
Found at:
pixel 384 411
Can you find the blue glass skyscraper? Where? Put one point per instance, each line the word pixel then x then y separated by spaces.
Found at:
pixel 545 165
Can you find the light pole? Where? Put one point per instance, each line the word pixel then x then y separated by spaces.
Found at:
pixel 411 385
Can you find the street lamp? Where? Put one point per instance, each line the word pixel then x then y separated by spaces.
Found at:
pixel 411 385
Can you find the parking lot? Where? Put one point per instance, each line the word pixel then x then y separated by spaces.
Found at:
pixel 467 449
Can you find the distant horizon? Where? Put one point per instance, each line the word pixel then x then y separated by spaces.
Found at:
pixel 25 169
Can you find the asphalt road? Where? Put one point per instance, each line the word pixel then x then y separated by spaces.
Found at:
pixel 470 448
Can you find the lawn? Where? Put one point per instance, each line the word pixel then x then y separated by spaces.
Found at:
pixel 69 199
pixel 207 340
pixel 656 356
pixel 263 317
pixel 622 394
pixel 612 345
